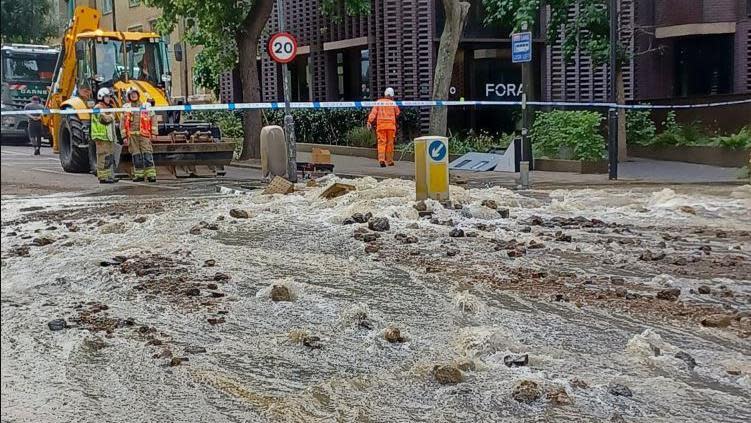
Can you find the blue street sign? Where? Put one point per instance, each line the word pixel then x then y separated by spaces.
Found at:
pixel 521 47
pixel 437 150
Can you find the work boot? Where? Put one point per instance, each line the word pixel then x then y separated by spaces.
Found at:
pixel 391 164
pixel 36 151
pixel 151 179
pixel 106 181
pixel 383 164
pixel 138 179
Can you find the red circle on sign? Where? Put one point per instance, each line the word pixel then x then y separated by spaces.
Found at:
pixel 282 47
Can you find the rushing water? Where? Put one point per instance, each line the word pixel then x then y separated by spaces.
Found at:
pixel 256 367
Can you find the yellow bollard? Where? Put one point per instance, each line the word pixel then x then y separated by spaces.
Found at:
pixel 432 168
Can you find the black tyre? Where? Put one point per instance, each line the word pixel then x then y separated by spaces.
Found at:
pixel 73 159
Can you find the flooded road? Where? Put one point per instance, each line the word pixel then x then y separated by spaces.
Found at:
pixel 610 293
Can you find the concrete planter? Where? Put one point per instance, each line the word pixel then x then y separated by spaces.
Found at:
pixel 572 166
pixel 714 156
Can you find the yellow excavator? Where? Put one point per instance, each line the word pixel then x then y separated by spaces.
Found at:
pixel 90 59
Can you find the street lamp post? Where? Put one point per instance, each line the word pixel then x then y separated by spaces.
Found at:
pixel 612 112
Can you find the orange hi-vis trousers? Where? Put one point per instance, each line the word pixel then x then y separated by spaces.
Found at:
pixel 386 138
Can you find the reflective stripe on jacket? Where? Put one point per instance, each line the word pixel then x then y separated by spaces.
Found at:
pixel 145 123
pixel 384 116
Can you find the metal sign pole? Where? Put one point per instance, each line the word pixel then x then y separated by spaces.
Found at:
pixel 526 147
pixel 289 121
pixel 612 114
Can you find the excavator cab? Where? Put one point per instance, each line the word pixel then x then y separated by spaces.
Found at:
pixel 92 59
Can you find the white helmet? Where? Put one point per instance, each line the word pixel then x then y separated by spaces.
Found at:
pixel 103 92
pixel 389 92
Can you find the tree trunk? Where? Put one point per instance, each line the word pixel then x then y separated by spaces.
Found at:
pixel 247 51
pixel 620 98
pixel 456 17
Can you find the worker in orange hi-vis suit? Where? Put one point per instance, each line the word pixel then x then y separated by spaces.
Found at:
pixel 384 116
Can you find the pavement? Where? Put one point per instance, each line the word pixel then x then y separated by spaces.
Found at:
pixel 636 171
pixel 24 174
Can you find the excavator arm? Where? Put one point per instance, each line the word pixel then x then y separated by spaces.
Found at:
pixel 64 80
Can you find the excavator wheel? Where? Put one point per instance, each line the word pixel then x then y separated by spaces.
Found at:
pixel 73 159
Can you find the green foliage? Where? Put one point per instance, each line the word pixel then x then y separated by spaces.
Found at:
pixel 216 25
pixel 28 21
pixel 640 129
pixel 590 31
pixel 738 141
pixel 361 137
pixel 674 133
pixel 575 130
pixel 333 126
pixel 230 123
pixel 464 143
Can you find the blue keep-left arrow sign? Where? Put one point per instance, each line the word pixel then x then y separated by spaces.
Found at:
pixel 437 150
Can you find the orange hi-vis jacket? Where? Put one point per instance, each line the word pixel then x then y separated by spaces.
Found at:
pixel 384 116
pixel 145 126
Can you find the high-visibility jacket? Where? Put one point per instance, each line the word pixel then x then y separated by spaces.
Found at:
pixel 99 130
pixel 145 123
pixel 384 116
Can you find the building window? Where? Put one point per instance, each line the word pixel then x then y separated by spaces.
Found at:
pixel 134 3
pixel 365 74
pixel 106 7
pixel 340 75
pixel 703 65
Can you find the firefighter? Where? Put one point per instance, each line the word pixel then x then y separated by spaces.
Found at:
pixel 103 135
pixel 384 116
pixel 138 131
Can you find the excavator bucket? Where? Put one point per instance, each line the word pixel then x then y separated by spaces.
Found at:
pixel 186 150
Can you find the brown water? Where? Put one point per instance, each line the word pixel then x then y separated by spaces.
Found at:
pixel 255 368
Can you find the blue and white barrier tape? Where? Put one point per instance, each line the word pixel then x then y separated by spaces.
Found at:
pixel 362 104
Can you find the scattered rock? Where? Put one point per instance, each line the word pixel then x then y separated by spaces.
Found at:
pixel 176 361
pixel 193 292
pixel 94 344
pixel 139 219
pixel 280 293
pixel 452 253
pixel 348 221
pixel 705 249
pixel 221 277
pixel 212 226
pixel 670 294
pixel 533 245
pixel 393 335
pixel 420 206
pixel 372 248
pixel 617 418
pixel 456 233
pixel 705 290
pixel 686 357
pixel 215 321
pixel 518 252
pixel 504 213
pixel 215 294
pixel 560 298
pixel 165 353
pixel 465 365
pixel 536 221
pixel 447 374
pixel 20 251
pixel 648 255
pixel 558 397
pixel 378 224
pixel 196 230
pixel 313 342
pixel 721 234
pixel 42 241
pixel 239 214
pixel 209 263
pixel 561 237
pixel 57 324
pixel 620 390
pixel 156 342
pixel 525 229
pixel 212 286
pixel 716 321
pixel 491 204
pixel 688 209
pixel 526 391
pixel 516 360
pixel 362 218
pixel 195 349
pixel 370 237
pixel 578 383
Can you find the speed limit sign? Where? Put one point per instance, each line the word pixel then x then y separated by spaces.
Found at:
pixel 282 47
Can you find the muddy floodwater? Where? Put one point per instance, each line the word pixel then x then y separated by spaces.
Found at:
pixel 613 304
